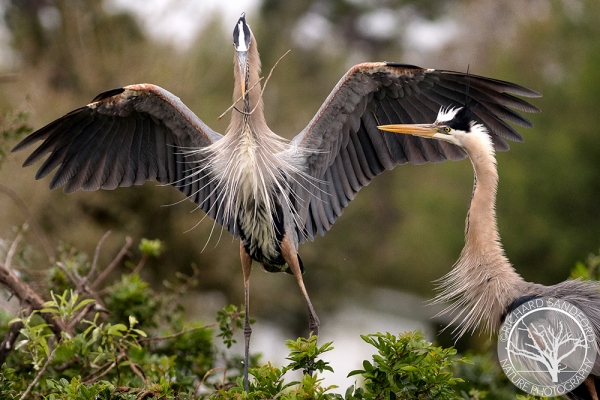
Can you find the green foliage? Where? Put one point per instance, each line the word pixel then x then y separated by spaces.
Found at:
pixel 113 356
pixel 304 353
pixel 589 270
pixel 13 126
pixel 268 382
pixel 230 319
pixel 483 378
pixel 152 248
pixel 409 367
pixel 34 344
pixel 8 383
pixel 133 296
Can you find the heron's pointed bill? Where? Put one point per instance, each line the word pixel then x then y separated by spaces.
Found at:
pixel 243 65
pixel 425 130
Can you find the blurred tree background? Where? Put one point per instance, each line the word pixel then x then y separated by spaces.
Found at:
pixel 401 232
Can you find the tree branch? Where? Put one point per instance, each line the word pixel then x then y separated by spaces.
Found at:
pixel 113 264
pixel 27 295
pixel 40 373
pixel 38 230
pixel 11 337
pixel 156 339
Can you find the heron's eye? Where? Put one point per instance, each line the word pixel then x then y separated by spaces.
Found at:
pixel 447 129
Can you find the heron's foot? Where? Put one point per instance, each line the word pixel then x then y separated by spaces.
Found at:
pixel 247 334
pixel 313 323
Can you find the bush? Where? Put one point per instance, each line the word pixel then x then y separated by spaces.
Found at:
pixel 100 339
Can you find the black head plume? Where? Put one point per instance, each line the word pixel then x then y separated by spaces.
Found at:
pixel 462 119
pixel 241 34
pixel 467 97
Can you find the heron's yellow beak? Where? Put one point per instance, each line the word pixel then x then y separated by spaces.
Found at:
pixel 243 65
pixel 425 130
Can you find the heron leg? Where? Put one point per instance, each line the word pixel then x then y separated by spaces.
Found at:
pixel 591 387
pixel 291 258
pixel 246 269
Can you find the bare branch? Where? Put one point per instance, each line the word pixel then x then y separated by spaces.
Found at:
pixel 210 371
pixel 13 249
pixel 113 264
pixel 75 321
pixel 156 339
pixel 269 77
pixel 11 336
pixel 26 294
pixel 233 105
pixel 39 374
pixel 37 229
pixel 71 277
pixel 96 254
pixel 140 265
pixel 110 364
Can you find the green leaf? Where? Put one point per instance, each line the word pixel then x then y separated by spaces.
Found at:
pixel 83 303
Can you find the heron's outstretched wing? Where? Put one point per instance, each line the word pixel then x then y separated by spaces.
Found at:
pixel 125 137
pixel 346 150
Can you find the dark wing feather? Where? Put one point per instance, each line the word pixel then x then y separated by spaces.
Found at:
pixel 346 150
pixel 125 137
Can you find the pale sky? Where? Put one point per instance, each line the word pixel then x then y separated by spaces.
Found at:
pixel 179 21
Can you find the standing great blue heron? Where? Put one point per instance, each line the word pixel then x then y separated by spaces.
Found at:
pixel 269 192
pixel 483 286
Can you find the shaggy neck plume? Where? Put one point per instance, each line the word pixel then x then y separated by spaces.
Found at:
pixel 483 282
pixel 249 163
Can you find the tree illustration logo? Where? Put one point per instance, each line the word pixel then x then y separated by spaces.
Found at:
pixel 547 346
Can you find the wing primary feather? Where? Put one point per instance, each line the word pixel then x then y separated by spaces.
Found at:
pixel 113 141
pixel 344 181
pixel 360 152
pixel 498 126
pixel 173 163
pixel 356 165
pixel 161 147
pixel 97 156
pixel 153 141
pixel 70 166
pixel 377 144
pixel 72 155
pixel 338 186
pixel 370 152
pixel 49 134
pixel 346 162
pixel 143 163
pixel 57 146
pixel 326 204
pixel 131 153
pixel 494 84
pixel 119 154
pixel 76 163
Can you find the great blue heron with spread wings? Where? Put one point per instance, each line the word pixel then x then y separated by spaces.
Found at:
pixel 483 287
pixel 269 192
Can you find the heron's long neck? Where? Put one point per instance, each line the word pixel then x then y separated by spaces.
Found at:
pixel 248 117
pixel 481 228
pixel 482 283
pixel 247 163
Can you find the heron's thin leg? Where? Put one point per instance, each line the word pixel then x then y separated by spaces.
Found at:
pixel 246 268
pixel 291 258
pixel 591 387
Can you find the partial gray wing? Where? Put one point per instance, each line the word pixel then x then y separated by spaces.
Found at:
pixel 125 137
pixel 346 150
